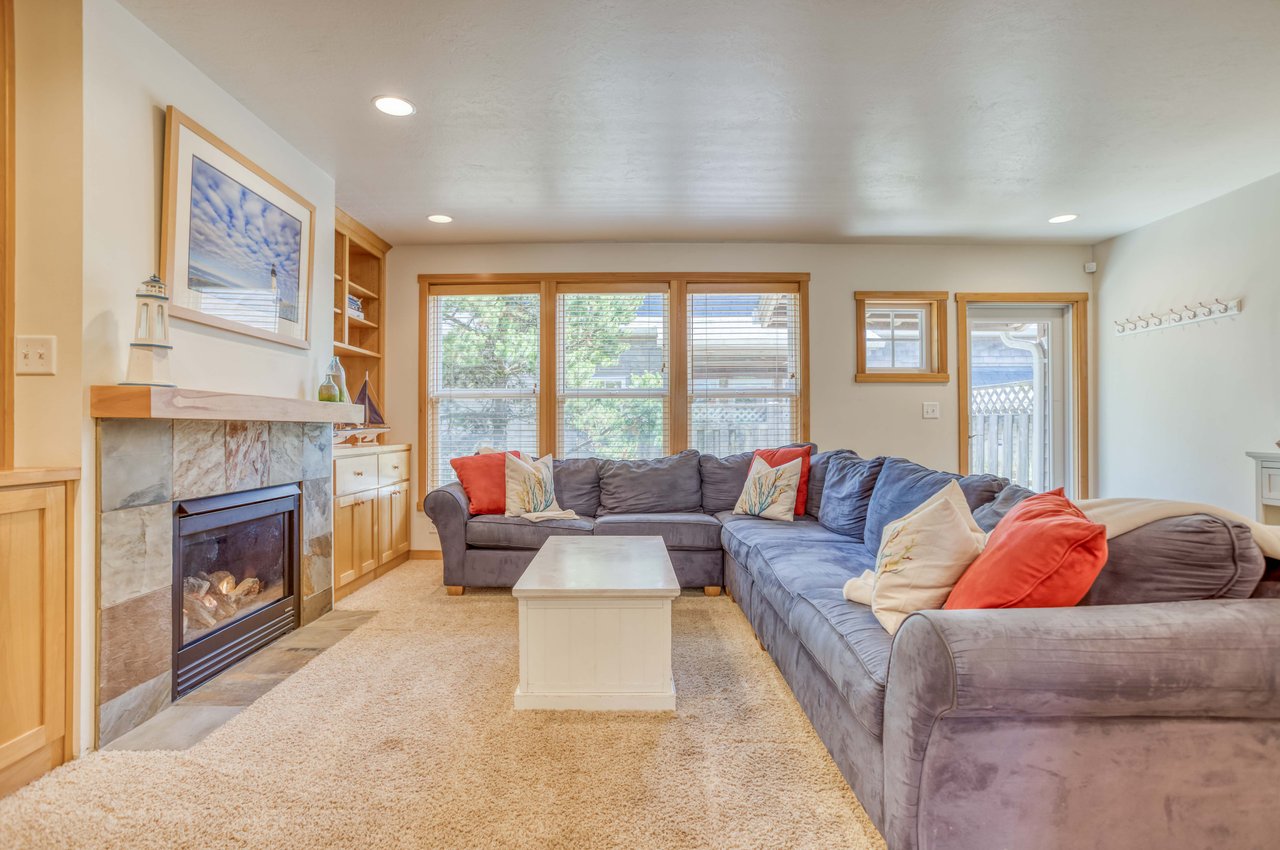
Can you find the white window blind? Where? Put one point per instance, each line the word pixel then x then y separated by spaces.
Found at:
pixel 744 362
pixel 896 338
pixel 613 374
pixel 482 384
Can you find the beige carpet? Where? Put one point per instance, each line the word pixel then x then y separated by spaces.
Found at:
pixel 403 735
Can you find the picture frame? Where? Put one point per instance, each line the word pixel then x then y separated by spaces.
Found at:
pixel 237 246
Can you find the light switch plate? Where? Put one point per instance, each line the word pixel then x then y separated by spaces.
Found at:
pixel 36 355
pixel 930 410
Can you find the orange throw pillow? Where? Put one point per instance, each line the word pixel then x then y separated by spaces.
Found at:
pixel 484 480
pixel 777 457
pixel 1043 554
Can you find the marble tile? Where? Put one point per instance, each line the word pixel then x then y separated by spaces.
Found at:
pixel 133 707
pixel 317 606
pixel 233 688
pixel 286 453
pixel 178 727
pixel 275 659
pixel 136 554
pixel 317 536
pixel 199 458
pixel 317 450
pixel 248 455
pixel 135 643
pixel 135 462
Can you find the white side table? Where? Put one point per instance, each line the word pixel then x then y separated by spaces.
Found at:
pixel 595 625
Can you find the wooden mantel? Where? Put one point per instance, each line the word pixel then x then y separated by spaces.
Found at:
pixel 114 402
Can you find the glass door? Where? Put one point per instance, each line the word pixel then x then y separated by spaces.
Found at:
pixel 1020 393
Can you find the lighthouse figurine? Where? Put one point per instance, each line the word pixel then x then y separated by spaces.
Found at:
pixel 149 351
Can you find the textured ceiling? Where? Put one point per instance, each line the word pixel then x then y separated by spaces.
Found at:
pixel 646 120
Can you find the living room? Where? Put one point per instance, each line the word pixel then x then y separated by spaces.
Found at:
pixel 726 425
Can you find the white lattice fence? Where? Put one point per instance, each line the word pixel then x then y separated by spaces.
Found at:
pixel 1001 438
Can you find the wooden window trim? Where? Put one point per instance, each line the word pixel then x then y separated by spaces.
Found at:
pixel 936 302
pixel 7 238
pixel 677 285
pixel 1079 303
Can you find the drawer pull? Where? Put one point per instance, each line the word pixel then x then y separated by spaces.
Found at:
pixel 359 473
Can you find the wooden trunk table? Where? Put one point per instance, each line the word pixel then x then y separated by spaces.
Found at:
pixel 595 625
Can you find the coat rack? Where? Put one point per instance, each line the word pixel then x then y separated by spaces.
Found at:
pixel 1187 314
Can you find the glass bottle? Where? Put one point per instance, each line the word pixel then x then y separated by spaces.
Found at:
pixel 337 376
pixel 329 390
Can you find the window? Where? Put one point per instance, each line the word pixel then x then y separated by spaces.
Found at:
pixel 612 353
pixel 901 336
pixel 483 376
pixel 610 365
pixel 744 370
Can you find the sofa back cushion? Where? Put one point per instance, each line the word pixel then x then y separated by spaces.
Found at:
pixel 989 515
pixel 902 486
pixel 818 466
pixel 1179 559
pixel 578 485
pixel 662 485
pixel 846 494
pixel 724 477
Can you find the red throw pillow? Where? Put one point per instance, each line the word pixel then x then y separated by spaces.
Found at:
pixel 484 480
pixel 1043 554
pixel 777 457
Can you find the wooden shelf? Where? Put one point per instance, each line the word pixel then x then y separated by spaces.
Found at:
pixel 337 277
pixel 361 291
pixel 114 402
pixel 353 351
pixel 361 323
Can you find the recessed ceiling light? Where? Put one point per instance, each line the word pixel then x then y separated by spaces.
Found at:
pixel 396 106
pixel 1064 218
pixel 440 219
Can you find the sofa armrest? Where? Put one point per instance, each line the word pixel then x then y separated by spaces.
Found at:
pixel 1207 659
pixel 449 509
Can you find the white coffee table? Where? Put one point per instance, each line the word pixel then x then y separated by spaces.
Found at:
pixel 595 625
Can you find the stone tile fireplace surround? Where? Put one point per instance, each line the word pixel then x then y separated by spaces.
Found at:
pixel 145 466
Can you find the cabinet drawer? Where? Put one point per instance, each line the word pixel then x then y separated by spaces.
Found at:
pixel 1270 483
pixel 353 474
pixel 393 467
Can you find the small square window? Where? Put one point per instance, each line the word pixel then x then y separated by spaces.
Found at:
pixel 901 336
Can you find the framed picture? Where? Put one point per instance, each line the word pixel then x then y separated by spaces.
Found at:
pixel 236 243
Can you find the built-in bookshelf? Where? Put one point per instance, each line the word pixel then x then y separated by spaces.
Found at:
pixel 359 273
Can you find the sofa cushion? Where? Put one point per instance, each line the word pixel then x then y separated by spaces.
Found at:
pixel 578 485
pixel 989 515
pixel 902 486
pixel 662 485
pixel 851 647
pixel 847 494
pixel 678 530
pixel 1179 559
pixel 784 569
pixel 741 533
pixel 724 477
pixel 819 465
pixel 513 532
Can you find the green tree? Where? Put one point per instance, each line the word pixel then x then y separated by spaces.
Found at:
pixel 490 343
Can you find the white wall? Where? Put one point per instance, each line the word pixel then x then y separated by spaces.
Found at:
pixel 871 418
pixel 1178 408
pixel 128 76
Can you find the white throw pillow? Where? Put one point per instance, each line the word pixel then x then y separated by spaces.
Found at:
pixel 921 558
pixel 531 487
pixel 770 492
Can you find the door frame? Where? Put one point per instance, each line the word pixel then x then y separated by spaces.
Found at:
pixel 1078 302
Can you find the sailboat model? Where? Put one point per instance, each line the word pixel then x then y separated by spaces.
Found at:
pixel 374 422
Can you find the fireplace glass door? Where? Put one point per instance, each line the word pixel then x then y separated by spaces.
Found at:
pixel 230 572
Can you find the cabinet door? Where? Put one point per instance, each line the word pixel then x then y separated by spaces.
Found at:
pixel 33 621
pixel 344 541
pixel 393 522
pixel 365 522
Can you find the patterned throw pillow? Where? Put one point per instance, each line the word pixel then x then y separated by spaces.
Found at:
pixel 770 492
pixel 531 487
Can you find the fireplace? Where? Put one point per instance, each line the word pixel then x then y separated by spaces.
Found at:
pixel 235 579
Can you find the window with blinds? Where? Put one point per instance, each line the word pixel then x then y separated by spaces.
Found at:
pixel 482 376
pixel 744 362
pixel 613 374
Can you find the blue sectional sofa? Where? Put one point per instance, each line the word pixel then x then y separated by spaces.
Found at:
pixel 1147 716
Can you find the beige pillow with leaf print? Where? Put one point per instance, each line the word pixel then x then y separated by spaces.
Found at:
pixel 531 487
pixel 770 491
pixel 921 558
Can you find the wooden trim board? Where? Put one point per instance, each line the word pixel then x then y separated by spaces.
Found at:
pixel 936 302
pixel 7 234
pixel 117 402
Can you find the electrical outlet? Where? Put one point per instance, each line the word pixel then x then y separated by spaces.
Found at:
pixel 37 355
pixel 930 410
